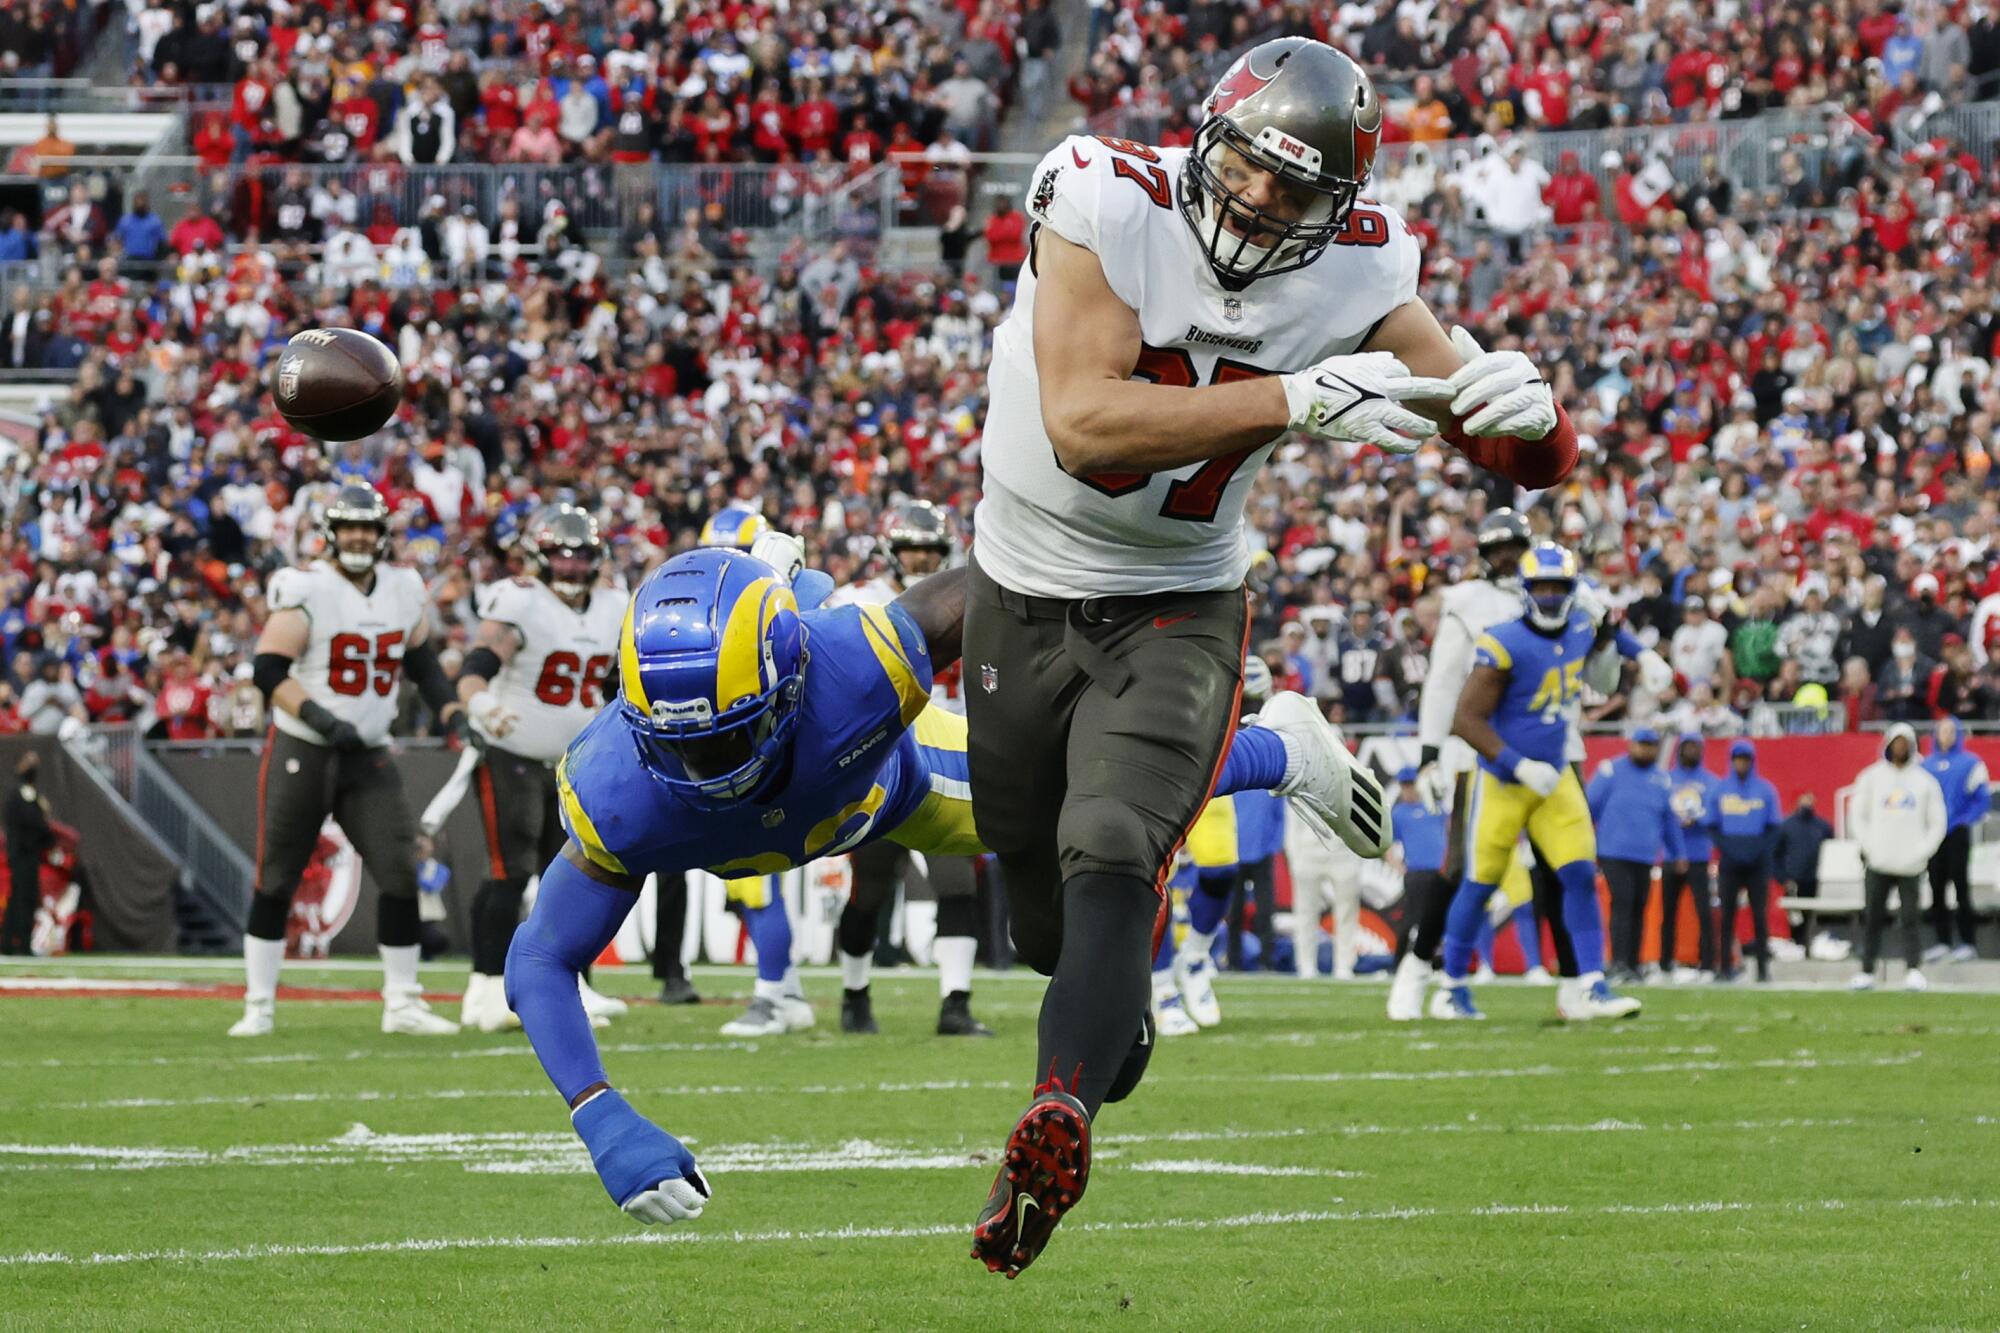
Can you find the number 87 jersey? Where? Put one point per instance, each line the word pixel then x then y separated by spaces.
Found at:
pixel 556 680
pixel 1048 533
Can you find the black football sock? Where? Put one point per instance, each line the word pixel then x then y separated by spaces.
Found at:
pixel 1098 997
pixel 669 926
pixel 496 911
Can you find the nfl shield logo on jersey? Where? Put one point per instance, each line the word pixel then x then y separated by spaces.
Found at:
pixel 989 677
pixel 1232 309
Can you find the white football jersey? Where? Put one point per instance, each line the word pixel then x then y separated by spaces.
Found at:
pixel 565 668
pixel 353 660
pixel 1050 534
pixel 1466 611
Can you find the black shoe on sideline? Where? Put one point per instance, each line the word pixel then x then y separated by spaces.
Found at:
pixel 857 1013
pixel 955 1017
pixel 678 990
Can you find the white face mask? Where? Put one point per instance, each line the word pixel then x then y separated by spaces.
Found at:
pixel 1905 651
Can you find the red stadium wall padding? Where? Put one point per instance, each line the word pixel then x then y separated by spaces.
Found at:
pixel 1821 765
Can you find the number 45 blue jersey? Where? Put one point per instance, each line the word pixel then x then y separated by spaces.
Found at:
pixel 869 759
pixel 1544 675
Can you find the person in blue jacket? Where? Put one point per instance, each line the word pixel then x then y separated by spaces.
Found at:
pixel 1968 796
pixel 1421 833
pixel 1692 789
pixel 1743 817
pixel 1631 802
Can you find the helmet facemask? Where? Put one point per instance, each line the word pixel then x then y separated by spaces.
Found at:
pixel 716 762
pixel 357 562
pixel 1243 241
pixel 571 571
pixel 1548 602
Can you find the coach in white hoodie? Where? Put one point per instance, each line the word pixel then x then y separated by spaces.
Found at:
pixel 1898 818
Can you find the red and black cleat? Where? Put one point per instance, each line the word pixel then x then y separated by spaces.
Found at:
pixel 1046 1168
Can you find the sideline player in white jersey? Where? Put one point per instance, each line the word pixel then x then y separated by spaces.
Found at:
pixel 1181 310
pixel 341 633
pixel 546 645
pixel 1467 610
pixel 918 538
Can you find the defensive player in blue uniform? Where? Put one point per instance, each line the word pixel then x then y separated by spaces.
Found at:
pixel 1512 714
pixel 750 737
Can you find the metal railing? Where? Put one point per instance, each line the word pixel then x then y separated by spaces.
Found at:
pixel 217 872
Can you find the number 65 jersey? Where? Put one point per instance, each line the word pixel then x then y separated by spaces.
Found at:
pixel 556 681
pixel 1050 534
pixel 354 646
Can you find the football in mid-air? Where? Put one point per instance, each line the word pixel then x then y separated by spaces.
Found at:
pixel 337 384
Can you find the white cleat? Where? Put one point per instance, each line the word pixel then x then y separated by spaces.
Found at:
pixel 1194 978
pixel 1406 989
pixel 1455 1002
pixel 256 1020
pixel 1333 793
pixel 1861 981
pixel 1965 953
pixel 599 1005
pixel 1173 1019
pixel 1537 976
pixel 1914 980
pixel 1483 976
pixel 1937 953
pixel 485 1005
pixel 1578 1003
pixel 770 1018
pixel 411 1017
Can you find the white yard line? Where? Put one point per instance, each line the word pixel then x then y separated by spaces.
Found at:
pixel 967 1085
pixel 1307 1217
pixel 520 1049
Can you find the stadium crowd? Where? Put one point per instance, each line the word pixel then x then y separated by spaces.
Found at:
pixel 1786 396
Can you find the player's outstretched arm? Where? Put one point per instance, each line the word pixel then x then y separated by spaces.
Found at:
pixel 938 606
pixel 645 1170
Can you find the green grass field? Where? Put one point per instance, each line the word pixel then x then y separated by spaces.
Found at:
pixel 1734 1159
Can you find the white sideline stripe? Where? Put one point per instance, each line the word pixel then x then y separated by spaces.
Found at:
pixel 88 983
pixel 556 1152
pixel 1179 1166
pixel 519 1048
pixel 440 1245
pixel 967 1085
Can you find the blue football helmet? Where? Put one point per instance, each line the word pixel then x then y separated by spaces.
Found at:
pixel 1548 585
pixel 734 527
pixel 711 668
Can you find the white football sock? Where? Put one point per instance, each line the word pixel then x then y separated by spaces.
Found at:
pixel 399 971
pixel 794 988
pixel 1196 946
pixel 1295 762
pixel 1589 979
pixel 261 961
pixel 1163 987
pixel 769 990
pixel 954 955
pixel 854 970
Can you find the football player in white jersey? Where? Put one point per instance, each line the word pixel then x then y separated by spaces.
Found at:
pixel 1181 310
pixel 341 633
pixel 917 536
pixel 546 645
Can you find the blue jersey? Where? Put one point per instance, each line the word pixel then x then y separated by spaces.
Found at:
pixel 1421 832
pixel 857 768
pixel 1544 675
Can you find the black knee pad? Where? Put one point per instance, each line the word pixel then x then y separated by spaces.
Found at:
pixel 856 931
pixel 1105 836
pixel 268 913
pixel 396 921
pixel 957 916
pixel 1037 944
pixel 1135 1064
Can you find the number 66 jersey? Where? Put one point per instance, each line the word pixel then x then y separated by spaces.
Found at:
pixel 353 660
pixel 1047 533
pixel 556 680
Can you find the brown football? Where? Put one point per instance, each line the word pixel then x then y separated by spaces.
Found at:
pixel 337 384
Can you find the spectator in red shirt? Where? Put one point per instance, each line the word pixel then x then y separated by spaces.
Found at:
pixel 1006 239
pixel 1572 195
pixel 183 701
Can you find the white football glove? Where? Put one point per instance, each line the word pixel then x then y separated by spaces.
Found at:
pixel 491 716
pixel 668 1201
pixel 1434 787
pixel 1654 673
pixel 1540 778
pixel 1360 398
pixel 782 552
pixel 1500 393
pixel 1591 602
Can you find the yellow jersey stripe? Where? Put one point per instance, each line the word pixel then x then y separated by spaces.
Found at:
pixel 581 830
pixel 628 661
pixel 880 631
pixel 1496 650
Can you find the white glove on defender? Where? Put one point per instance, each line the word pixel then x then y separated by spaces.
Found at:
pixel 1503 391
pixel 1540 778
pixel 782 552
pixel 1654 673
pixel 1359 398
pixel 1434 788
pixel 491 716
